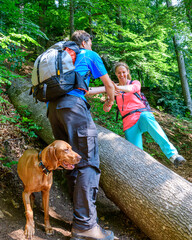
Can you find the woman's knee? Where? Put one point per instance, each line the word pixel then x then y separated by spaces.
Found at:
pixel 146 116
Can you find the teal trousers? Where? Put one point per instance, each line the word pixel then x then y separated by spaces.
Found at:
pixel 147 123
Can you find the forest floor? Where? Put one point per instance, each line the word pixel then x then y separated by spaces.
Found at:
pixel 13 142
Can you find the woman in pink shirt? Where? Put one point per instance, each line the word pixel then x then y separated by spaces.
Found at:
pixel 137 119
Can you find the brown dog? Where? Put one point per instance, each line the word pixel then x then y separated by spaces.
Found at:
pixel 35 171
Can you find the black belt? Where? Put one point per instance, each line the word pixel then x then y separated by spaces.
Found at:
pixel 137 110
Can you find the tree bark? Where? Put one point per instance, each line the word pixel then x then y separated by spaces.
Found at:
pixel 157 200
pixel 188 8
pixel 182 69
pixel 119 22
pixel 72 28
pixel 43 6
pixel 183 75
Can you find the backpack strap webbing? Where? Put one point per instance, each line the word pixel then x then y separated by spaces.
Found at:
pixel 38 63
pixel 59 64
pixel 117 114
pixel 137 110
pixel 38 78
pixel 136 94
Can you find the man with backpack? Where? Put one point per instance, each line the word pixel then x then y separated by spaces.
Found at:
pixel 71 121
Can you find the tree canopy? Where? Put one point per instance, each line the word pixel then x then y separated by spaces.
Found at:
pixel 137 32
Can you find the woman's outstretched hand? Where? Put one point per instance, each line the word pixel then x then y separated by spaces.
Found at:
pixel 122 88
pixel 107 105
pixel 117 91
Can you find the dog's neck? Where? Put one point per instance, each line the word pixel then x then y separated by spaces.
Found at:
pixel 41 165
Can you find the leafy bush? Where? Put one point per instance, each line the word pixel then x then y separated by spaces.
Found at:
pixel 26 124
pixel 172 103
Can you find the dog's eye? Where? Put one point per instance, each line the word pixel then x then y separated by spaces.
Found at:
pixel 66 150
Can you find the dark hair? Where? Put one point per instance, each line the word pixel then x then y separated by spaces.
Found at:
pixel 79 36
pixel 123 64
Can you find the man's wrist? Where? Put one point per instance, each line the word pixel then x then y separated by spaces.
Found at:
pixel 110 102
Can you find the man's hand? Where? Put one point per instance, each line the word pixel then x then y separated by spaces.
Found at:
pixel 124 88
pixel 110 90
pixel 107 105
pixel 117 91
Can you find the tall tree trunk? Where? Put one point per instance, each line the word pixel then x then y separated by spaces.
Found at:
pixel 42 11
pixel 90 25
pixel 140 77
pixel 72 28
pixel 22 16
pixel 43 6
pixel 119 22
pixel 182 70
pixel 183 75
pixel 155 198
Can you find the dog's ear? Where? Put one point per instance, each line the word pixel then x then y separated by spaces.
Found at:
pixel 51 155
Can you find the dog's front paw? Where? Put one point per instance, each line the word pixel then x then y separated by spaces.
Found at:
pixel 49 230
pixel 29 231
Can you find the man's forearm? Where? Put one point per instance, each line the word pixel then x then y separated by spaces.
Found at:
pixel 110 93
pixel 96 90
pixel 110 90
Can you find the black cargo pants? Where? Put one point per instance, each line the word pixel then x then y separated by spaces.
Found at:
pixel 71 121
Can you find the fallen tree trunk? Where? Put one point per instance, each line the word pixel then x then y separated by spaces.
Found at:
pixel 156 199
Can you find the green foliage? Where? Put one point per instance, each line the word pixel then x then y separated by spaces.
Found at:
pixel 107 120
pixel 96 82
pixel 137 32
pixel 17 33
pixel 6 163
pixel 148 138
pixel 12 49
pixel 10 164
pixel 21 118
pixel 172 103
pixel 26 124
pixel 6 77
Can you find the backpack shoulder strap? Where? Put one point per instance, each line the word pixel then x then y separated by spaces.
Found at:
pixel 136 94
pixel 117 112
pixel 72 45
pixel 38 63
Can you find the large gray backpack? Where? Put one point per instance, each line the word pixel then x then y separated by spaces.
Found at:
pixel 53 74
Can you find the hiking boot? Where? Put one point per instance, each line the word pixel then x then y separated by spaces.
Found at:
pixel 95 233
pixel 177 160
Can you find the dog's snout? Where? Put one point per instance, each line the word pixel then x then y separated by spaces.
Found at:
pixel 78 158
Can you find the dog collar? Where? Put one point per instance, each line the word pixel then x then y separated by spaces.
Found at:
pixel 41 165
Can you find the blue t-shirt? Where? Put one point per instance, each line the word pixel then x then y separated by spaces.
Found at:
pixel 86 61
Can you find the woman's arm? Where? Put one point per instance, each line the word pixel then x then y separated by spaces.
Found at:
pixel 125 88
pixel 95 90
pixel 107 88
pixel 134 87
